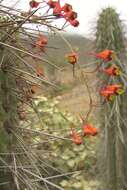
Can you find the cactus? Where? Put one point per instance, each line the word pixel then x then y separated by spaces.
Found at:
pixel 8 115
pixel 22 163
pixel 109 35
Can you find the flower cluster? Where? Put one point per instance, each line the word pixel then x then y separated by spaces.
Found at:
pixel 88 130
pixel 66 11
pixel 111 91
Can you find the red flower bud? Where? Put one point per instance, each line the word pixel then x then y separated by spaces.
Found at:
pixel 76 138
pixel 52 4
pixel 74 23
pixel 34 4
pixel 72 58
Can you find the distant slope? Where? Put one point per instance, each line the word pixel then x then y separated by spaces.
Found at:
pixel 84 45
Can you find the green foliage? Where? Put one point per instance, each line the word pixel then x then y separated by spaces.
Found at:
pixel 64 154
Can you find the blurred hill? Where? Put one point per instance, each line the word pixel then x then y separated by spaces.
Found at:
pixel 80 43
pixel 59 45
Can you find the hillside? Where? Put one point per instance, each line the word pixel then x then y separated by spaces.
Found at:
pixel 77 42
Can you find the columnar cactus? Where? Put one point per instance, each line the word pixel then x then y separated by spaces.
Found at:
pixel 109 35
pixel 8 109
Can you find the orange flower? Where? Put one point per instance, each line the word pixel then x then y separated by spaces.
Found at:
pixel 39 71
pixel 115 88
pixel 76 138
pixel 106 55
pixel 107 94
pixel 110 91
pixel 112 71
pixel 89 130
pixel 72 58
pixel 34 4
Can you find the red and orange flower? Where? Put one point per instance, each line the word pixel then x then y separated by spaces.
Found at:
pixel 76 138
pixel 89 130
pixel 66 12
pixel 72 58
pixel 116 88
pixel 106 55
pixel 112 70
pixel 34 4
pixel 110 91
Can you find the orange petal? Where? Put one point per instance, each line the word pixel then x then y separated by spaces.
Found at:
pixel 76 138
pixel 89 130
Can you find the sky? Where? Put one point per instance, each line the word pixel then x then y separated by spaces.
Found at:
pixel 88 11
